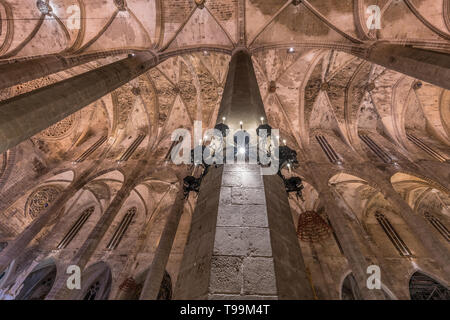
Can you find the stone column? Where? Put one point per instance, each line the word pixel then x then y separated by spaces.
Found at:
pixel 426 65
pixel 290 271
pixel 193 278
pixel 242 243
pixel 155 274
pixel 349 243
pixel 237 248
pixel 242 265
pixel 20 71
pixel 24 116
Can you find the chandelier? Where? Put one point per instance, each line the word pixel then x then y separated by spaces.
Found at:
pixel 312 228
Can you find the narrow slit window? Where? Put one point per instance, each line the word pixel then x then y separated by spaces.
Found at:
pixel 438 225
pixel 131 149
pixel 121 229
pixel 328 150
pixel 432 153
pixel 383 155
pixel 76 228
pixel 393 235
pixel 91 149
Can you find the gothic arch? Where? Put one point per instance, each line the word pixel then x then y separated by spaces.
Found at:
pixel 133 287
pixel 427 198
pixel 96 282
pixel 425 287
pixel 349 288
pixel 376 215
pixel 350 291
pixel 39 281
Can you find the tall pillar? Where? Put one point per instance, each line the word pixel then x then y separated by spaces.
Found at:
pixel 426 65
pixel 155 274
pixel 237 248
pixel 18 72
pixel 24 116
pixel 290 271
pixel 358 262
pixel 193 277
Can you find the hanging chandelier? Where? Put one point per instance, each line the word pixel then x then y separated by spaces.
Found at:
pixel 312 228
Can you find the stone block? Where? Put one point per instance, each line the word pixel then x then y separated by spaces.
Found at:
pixel 234 241
pixel 259 277
pixel 230 216
pixel 254 216
pixel 226 275
pixel 230 241
pixel 248 196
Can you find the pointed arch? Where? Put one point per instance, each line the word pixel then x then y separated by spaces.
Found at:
pixel 39 282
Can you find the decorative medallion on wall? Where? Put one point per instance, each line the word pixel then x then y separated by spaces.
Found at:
pixel 41 199
pixel 61 129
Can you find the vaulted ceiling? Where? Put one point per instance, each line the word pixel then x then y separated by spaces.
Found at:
pixel 318 86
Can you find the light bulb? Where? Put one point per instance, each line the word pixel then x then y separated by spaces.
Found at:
pixel 241 150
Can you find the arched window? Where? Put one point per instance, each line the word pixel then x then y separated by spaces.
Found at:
pixel 134 290
pixel 122 229
pixel 328 149
pixel 383 155
pixel 92 292
pixel 91 149
pixel 350 289
pixel 392 235
pixel 96 284
pixel 76 228
pixel 422 287
pixel 39 282
pixel 132 148
pixel 438 225
pixel 425 147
